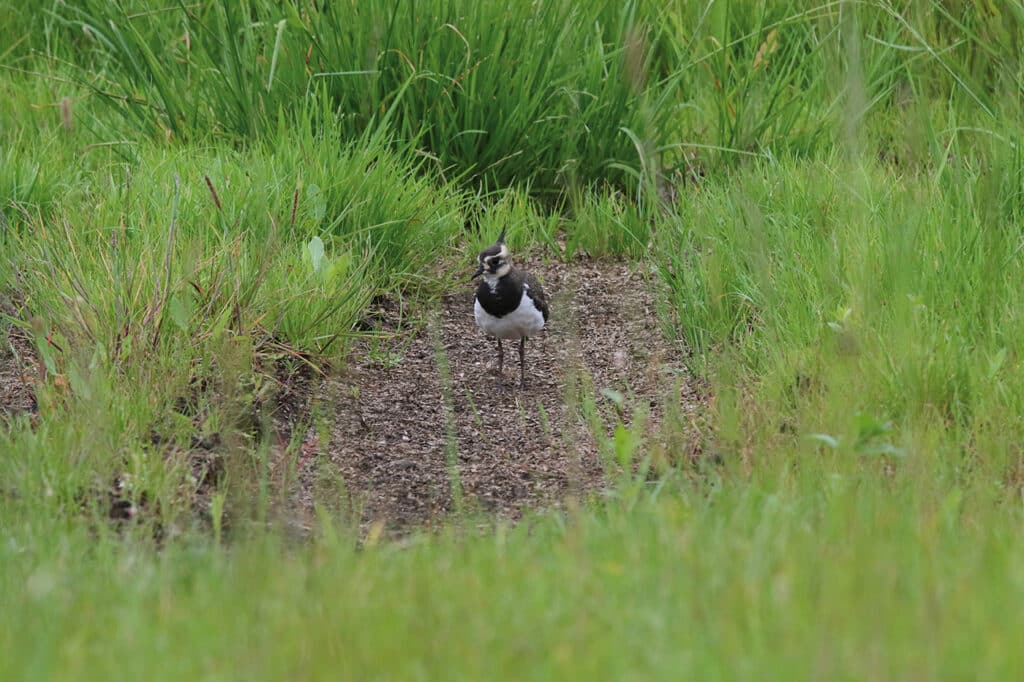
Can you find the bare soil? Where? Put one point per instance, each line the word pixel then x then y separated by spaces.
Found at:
pixel 18 372
pixel 424 415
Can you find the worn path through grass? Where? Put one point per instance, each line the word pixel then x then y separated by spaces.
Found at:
pixel 421 417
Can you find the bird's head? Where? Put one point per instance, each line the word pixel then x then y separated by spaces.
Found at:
pixel 493 262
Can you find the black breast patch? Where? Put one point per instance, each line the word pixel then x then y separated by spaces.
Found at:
pixel 504 299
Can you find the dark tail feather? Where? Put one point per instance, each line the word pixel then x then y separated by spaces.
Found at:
pixel 501 237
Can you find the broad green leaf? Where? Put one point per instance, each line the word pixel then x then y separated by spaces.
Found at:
pixel 316 252
pixel 319 205
pixel 824 438
pixel 179 310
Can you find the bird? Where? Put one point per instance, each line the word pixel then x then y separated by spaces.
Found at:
pixel 510 303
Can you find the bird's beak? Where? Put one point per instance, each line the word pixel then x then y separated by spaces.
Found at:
pixel 479 271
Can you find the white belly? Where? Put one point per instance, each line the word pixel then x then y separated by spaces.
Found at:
pixel 525 320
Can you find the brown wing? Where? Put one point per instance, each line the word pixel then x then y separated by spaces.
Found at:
pixel 536 292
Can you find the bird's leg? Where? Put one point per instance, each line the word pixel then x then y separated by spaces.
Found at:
pixel 501 357
pixel 522 361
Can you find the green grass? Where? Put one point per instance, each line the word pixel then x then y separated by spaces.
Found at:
pixel 852 294
pixel 198 197
pixel 830 573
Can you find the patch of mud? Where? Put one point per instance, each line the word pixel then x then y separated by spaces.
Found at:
pixel 415 414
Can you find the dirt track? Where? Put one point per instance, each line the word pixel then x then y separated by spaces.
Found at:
pixel 395 437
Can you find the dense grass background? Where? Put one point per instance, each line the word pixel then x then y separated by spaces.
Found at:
pixel 831 192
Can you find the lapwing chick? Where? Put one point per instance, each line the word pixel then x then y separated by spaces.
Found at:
pixel 510 303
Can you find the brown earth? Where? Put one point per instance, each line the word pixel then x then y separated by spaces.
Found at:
pixel 419 411
pixel 18 371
